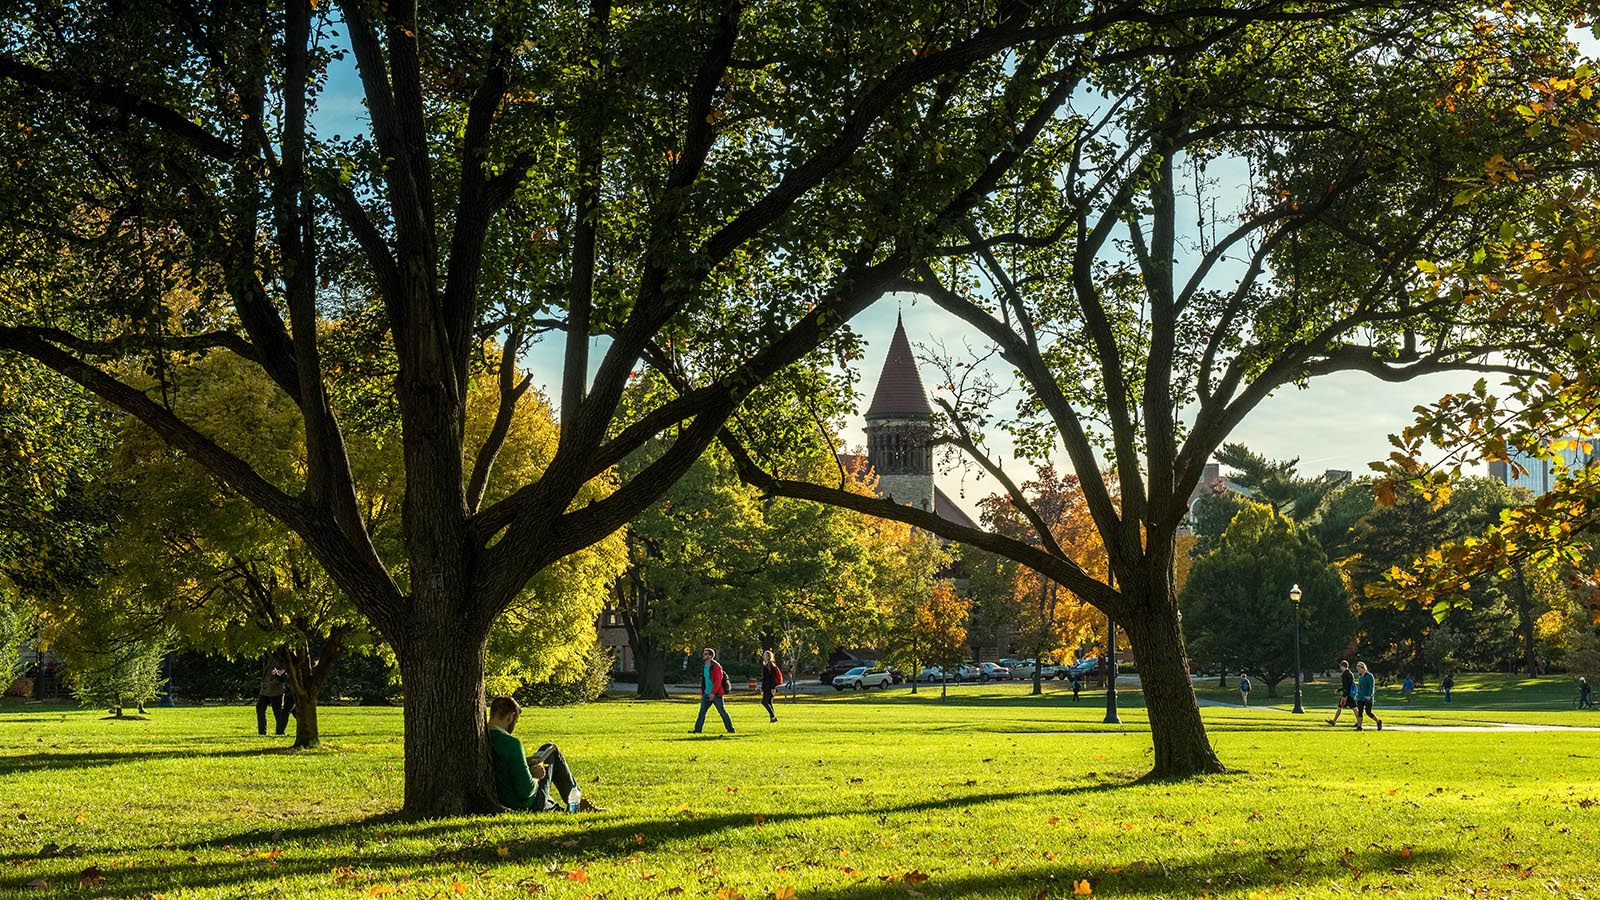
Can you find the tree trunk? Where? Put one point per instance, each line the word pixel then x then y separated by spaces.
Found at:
pixel 1181 746
pixel 1222 679
pixel 651 661
pixel 1530 655
pixel 307 732
pixel 446 753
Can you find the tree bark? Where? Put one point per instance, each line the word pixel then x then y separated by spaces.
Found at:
pixel 652 663
pixel 446 752
pixel 1530 655
pixel 1176 729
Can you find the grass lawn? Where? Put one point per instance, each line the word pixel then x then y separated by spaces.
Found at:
pixel 882 795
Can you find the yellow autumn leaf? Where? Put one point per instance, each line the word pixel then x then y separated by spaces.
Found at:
pixel 1081 887
pixel 729 894
pixel 783 893
pixel 459 887
pixel 502 851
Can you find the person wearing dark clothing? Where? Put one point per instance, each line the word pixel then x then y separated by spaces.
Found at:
pixel 713 684
pixel 524 782
pixel 273 695
pixel 1448 685
pixel 771 680
pixel 1583 694
pixel 1077 685
pixel 1347 691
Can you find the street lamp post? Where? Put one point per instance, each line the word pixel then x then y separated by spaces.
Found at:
pixel 1111 659
pixel 1294 595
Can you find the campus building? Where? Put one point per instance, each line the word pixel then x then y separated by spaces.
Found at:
pixel 900 435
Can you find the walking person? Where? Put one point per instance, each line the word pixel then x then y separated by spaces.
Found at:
pixel 771 680
pixel 1077 685
pixel 1244 690
pixel 1366 687
pixel 1583 694
pixel 1347 691
pixel 271 696
pixel 713 684
pixel 1448 685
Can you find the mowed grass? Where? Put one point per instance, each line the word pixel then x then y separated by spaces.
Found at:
pixel 992 793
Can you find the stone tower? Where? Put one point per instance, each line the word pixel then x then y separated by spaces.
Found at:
pixel 900 427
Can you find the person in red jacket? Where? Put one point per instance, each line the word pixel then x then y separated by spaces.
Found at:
pixel 713 684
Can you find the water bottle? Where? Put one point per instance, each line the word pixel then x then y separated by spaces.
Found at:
pixel 574 799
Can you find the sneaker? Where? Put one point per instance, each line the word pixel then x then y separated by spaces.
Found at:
pixel 1359 728
pixel 1331 722
pixel 774 718
pixel 1380 726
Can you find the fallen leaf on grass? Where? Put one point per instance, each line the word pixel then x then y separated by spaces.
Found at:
pixel 916 877
pixel 39 884
pixel 1081 887
pixel 673 891
pixel 849 870
pixel 638 839
pixel 783 893
pixel 91 876
pixel 1052 820
pixel 729 894
pixel 379 890
pixel 760 819
pixel 459 887
pixel 502 851
pixel 578 875
pixel 1405 852
pixel 268 854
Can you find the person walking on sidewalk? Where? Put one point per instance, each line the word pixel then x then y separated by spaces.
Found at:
pixel 1448 685
pixel 713 684
pixel 1244 690
pixel 1366 687
pixel 1347 691
pixel 771 680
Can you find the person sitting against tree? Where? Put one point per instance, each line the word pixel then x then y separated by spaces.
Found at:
pixel 521 781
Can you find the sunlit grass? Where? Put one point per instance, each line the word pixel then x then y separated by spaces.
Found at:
pixel 991 793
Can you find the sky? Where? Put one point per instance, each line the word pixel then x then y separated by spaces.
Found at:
pixel 1340 421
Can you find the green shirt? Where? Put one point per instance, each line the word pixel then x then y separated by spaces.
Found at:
pixel 1364 686
pixel 513 783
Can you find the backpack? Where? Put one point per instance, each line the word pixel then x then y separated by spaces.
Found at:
pixel 727 688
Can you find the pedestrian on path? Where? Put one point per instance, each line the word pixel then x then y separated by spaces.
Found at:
pixel 713 684
pixel 771 680
pixel 1077 685
pixel 1448 685
pixel 1365 688
pixel 1347 691
pixel 1244 690
pixel 1583 694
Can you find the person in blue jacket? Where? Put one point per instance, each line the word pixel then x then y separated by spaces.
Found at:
pixel 1366 687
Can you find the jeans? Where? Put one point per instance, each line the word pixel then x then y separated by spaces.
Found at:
pixel 766 700
pixel 555 772
pixel 706 702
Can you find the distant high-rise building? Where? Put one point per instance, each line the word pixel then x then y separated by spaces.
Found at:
pixel 1538 475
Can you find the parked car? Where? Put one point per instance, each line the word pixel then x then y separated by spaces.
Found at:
pixel 839 667
pixel 968 672
pixel 993 672
pixel 1047 669
pixel 1012 664
pixel 863 677
pixel 932 673
pixel 1085 669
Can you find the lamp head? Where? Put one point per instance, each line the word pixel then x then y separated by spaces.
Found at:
pixel 1294 593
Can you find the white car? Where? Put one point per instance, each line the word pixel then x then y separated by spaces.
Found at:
pixel 862 678
pixel 968 672
pixel 933 673
pixel 993 672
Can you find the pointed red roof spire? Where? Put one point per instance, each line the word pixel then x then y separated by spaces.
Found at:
pixel 899 393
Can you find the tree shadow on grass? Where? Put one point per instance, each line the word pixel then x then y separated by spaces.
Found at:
pixel 37 761
pixel 1293 868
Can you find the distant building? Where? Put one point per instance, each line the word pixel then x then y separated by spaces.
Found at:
pixel 1538 475
pixel 900 435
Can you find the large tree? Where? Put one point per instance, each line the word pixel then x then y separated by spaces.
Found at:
pixel 1138 344
pixel 721 184
pixel 1237 613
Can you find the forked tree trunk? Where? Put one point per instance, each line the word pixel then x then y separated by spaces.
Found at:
pixel 1181 746
pixel 446 754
